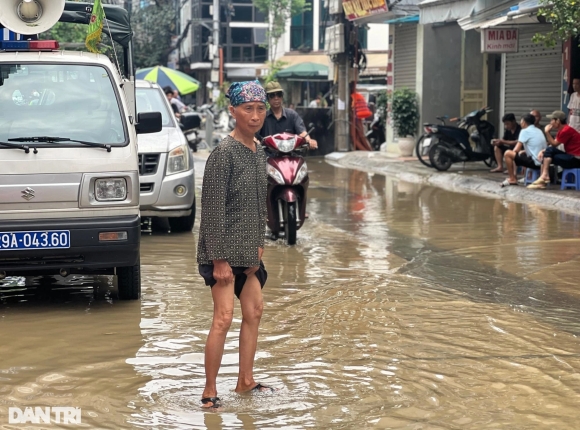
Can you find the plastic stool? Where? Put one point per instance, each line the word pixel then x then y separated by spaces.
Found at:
pixel 574 182
pixel 531 175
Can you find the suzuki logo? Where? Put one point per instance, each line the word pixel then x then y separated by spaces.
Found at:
pixel 28 194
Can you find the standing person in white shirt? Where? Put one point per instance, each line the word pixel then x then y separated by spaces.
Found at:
pixel 574 106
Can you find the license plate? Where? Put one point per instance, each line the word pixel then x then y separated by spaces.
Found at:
pixel 427 141
pixel 53 239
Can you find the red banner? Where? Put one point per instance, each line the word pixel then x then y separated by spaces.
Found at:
pixel 354 9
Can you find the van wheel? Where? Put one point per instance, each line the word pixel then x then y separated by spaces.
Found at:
pixel 129 282
pixel 184 223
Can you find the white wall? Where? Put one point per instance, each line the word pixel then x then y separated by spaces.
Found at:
pixel 378 37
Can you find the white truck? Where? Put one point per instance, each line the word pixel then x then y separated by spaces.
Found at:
pixel 69 181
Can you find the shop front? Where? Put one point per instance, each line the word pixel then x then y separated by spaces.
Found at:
pixel 521 74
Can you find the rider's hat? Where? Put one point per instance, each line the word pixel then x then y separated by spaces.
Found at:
pixel 273 87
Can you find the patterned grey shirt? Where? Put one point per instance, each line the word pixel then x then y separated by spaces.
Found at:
pixel 233 205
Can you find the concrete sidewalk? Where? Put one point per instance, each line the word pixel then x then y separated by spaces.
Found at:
pixel 470 178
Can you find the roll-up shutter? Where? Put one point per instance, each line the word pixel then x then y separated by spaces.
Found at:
pixel 405 60
pixel 533 76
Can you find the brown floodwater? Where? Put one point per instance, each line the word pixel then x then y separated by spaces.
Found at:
pixel 401 306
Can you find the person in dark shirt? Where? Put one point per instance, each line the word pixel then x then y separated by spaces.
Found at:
pixel 508 141
pixel 231 237
pixel 283 120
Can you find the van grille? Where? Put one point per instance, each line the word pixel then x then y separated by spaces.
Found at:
pixel 146 188
pixel 148 164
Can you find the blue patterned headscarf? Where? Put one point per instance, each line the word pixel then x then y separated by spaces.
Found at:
pixel 246 92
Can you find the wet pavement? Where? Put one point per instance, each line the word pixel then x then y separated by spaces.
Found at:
pixel 402 306
pixel 472 178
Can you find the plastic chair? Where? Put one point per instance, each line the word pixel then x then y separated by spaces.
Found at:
pixel 531 175
pixel 570 179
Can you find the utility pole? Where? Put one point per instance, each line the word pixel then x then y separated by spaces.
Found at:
pixel 214 51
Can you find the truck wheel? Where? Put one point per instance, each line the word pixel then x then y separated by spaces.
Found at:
pixel 184 223
pixel 129 282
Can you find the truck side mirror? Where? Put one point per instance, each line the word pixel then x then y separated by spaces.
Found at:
pixel 148 122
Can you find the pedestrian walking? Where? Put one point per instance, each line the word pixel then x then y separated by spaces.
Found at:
pixel 231 237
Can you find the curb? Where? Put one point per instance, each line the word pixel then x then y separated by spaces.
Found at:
pixel 456 182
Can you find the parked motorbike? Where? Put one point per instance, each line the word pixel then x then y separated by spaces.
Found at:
pixel 190 123
pixel 470 140
pixel 287 184
pixel 376 134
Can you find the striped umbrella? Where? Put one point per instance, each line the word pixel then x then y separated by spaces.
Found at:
pixel 164 76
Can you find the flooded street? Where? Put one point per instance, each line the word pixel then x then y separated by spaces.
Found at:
pixel 401 306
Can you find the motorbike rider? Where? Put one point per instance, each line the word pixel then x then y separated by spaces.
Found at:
pixel 283 120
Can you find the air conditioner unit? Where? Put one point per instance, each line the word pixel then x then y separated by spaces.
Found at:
pixel 334 6
pixel 334 39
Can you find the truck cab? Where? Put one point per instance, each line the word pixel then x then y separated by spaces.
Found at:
pixel 69 175
pixel 166 168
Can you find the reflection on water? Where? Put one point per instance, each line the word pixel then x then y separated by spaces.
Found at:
pixel 400 307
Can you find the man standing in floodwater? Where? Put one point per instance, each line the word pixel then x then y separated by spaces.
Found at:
pixel 231 237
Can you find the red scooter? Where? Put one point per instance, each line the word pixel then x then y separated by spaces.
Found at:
pixel 287 184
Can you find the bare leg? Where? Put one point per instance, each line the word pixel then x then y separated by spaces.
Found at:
pixel 252 307
pixel 511 166
pixel 498 158
pixel 546 169
pixel 223 312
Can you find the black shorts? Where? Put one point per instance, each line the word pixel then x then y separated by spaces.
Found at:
pixel 206 272
pixel 524 160
pixel 505 148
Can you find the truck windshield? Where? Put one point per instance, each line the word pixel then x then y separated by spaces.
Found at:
pixel 152 100
pixel 75 101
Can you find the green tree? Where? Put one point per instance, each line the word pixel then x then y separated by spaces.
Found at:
pixel 277 13
pixel 66 32
pixel 564 15
pixel 273 68
pixel 153 26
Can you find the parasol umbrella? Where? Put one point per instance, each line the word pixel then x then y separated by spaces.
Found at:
pixel 307 71
pixel 164 76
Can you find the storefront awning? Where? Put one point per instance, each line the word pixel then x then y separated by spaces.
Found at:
pixel 505 14
pixel 432 11
pixel 411 19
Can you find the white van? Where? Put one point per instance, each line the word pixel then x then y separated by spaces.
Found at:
pixel 69 183
pixel 166 168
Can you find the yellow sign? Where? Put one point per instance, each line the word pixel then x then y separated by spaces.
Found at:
pixel 354 9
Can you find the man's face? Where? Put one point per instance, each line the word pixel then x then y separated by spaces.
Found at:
pixel 576 85
pixel 169 96
pixel 509 125
pixel 276 99
pixel 249 116
pixel 555 123
pixel 537 116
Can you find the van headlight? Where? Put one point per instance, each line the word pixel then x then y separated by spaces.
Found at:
pixel 110 189
pixel 178 160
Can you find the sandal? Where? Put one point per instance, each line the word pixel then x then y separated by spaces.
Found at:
pixel 262 388
pixel 507 183
pixel 540 186
pixel 540 181
pixel 215 402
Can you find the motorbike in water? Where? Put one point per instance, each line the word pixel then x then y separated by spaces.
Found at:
pixel 287 184
pixel 470 140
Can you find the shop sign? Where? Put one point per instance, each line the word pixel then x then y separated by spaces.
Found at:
pixel 354 9
pixel 499 40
